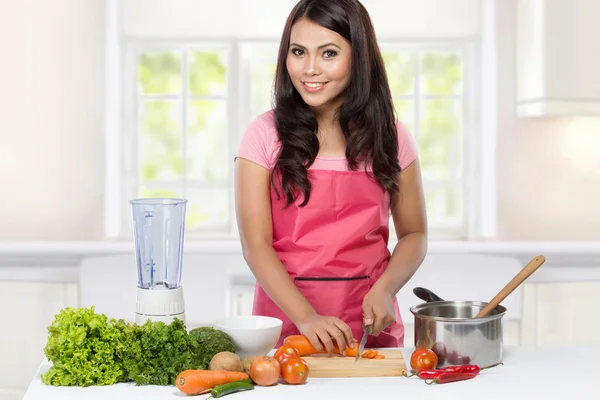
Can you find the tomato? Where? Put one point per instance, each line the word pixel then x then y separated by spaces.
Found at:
pixel 294 371
pixel 265 371
pixel 422 359
pixel 284 352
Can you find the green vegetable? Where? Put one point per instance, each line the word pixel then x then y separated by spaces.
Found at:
pixel 89 349
pixel 210 342
pixel 83 348
pixel 232 387
pixel 159 352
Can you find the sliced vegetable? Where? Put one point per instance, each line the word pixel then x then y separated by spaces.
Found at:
pixel 194 381
pixel 373 354
pixel 232 387
pixel 448 377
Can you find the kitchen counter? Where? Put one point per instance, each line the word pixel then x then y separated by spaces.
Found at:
pixel 527 373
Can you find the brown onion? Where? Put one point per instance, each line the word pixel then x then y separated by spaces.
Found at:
pixel 265 371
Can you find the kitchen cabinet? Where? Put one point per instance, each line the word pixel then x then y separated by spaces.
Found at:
pixel 558 58
pixel 24 329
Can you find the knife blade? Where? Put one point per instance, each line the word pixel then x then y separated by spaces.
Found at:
pixel 367 329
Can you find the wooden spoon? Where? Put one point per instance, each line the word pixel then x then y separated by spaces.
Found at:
pixel 529 269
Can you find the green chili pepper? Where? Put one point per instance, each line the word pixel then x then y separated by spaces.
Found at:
pixel 232 387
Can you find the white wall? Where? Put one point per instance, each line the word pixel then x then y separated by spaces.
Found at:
pixel 52 138
pixel 51 120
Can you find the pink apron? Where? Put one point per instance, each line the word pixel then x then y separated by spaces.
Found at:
pixel 335 248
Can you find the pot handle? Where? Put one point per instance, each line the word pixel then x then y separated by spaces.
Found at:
pixel 426 295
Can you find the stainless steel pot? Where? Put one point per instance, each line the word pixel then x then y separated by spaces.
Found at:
pixel 451 331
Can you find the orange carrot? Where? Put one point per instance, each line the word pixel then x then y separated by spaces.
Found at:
pixel 305 348
pixel 379 356
pixel 195 381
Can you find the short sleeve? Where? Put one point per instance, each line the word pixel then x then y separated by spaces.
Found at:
pixel 407 148
pixel 258 142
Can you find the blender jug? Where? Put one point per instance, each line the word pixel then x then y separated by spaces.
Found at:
pixel 158 233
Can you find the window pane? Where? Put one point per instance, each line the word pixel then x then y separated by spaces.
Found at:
pixel 444 204
pixel 439 139
pixel 159 72
pixel 400 71
pixel 160 192
pixel 405 109
pixel 441 73
pixel 207 153
pixel 207 207
pixel 263 73
pixel 208 73
pixel 160 140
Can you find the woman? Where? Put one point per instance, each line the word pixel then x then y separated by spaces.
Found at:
pixel 316 179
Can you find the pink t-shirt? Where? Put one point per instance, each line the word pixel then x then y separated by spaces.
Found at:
pixel 260 144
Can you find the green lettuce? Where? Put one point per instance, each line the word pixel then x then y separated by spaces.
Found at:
pixel 89 349
pixel 83 347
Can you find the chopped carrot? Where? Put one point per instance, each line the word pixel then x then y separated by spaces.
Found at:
pixel 379 356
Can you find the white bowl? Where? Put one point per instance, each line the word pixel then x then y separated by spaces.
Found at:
pixel 253 335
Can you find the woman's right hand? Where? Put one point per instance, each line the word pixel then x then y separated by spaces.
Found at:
pixel 322 331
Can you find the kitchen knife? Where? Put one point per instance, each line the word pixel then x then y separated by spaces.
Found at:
pixel 367 329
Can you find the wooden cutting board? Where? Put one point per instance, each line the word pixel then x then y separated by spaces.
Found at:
pixel 323 366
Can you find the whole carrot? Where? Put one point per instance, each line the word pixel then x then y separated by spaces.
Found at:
pixel 195 381
pixel 305 347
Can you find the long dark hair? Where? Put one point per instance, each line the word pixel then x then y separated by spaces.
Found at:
pixel 367 116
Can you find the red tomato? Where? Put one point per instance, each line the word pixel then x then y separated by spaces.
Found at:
pixel 294 370
pixel 284 352
pixel 422 359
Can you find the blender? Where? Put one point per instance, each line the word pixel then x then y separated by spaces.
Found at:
pixel 158 233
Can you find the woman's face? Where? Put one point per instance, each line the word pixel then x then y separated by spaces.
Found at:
pixel 319 64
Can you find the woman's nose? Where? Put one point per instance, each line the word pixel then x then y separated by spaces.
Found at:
pixel 311 66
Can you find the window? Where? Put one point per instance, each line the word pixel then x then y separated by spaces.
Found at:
pixel 190 103
pixel 429 87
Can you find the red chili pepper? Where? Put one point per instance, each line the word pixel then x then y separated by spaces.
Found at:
pixel 432 373
pixel 429 373
pixel 447 377
pixel 467 368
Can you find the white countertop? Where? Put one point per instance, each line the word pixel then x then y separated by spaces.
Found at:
pixel 527 373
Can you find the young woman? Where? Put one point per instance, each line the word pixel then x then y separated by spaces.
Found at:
pixel 317 178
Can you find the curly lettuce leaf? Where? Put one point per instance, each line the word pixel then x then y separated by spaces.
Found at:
pixel 83 348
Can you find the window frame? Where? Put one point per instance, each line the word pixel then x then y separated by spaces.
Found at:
pixel 122 120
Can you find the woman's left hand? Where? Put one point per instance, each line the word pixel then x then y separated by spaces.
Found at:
pixel 378 309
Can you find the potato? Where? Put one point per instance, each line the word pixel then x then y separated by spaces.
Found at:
pixel 226 361
pixel 246 362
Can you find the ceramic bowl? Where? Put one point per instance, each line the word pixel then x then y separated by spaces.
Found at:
pixel 252 335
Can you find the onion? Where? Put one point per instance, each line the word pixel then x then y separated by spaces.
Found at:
pixel 265 371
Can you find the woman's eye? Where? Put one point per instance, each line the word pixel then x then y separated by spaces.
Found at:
pixel 329 53
pixel 297 52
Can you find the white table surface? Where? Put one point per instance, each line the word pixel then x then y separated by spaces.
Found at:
pixel 527 373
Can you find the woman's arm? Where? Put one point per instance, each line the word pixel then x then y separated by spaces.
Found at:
pixel 253 210
pixel 410 221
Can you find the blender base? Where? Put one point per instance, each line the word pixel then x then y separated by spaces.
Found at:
pixel 159 305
